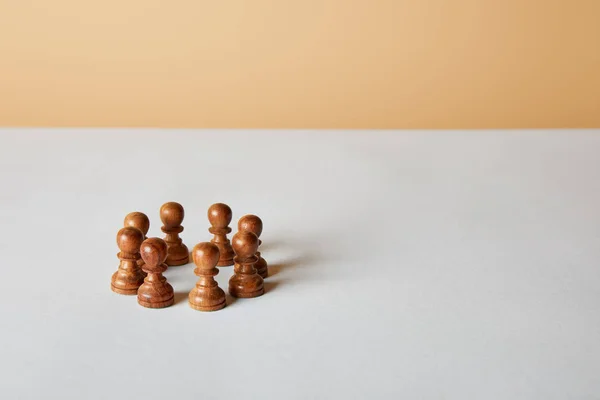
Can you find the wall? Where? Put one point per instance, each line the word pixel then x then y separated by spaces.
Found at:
pixel 300 64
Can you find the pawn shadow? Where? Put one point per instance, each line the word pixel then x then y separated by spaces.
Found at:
pixel 274 269
pixel 270 285
pixel 180 297
pixel 269 245
pixel 229 299
pixel 286 265
pixel 278 267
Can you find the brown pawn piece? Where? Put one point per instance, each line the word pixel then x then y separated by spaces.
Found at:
pixel 129 276
pixel 138 220
pixel 171 215
pixel 245 282
pixel 155 292
pixel 207 295
pixel 219 216
pixel 252 223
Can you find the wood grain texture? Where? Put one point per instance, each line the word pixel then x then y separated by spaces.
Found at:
pixel 140 221
pixel 171 215
pixel 155 292
pixel 128 278
pixel 207 295
pixel 245 281
pixel 219 216
pixel 254 224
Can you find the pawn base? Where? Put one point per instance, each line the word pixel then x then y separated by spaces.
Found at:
pixel 174 263
pixel 156 292
pixel 207 308
pixel 160 304
pixel 126 283
pixel 263 272
pixel 247 295
pixel 127 292
pixel 177 254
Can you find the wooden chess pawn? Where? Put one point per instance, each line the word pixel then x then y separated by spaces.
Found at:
pixel 129 276
pixel 171 215
pixel 138 220
pixel 252 223
pixel 207 295
pixel 245 282
pixel 219 216
pixel 155 292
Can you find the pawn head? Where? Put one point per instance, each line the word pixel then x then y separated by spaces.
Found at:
pixel 137 220
pixel 129 239
pixel 219 215
pixel 171 214
pixel 244 243
pixel 153 251
pixel 206 255
pixel 251 223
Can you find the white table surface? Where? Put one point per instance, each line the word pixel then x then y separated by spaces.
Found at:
pixel 405 264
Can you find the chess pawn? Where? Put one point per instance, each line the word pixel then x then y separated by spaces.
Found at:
pixel 245 282
pixel 252 223
pixel 171 215
pixel 138 220
pixel 155 292
pixel 219 216
pixel 128 278
pixel 207 295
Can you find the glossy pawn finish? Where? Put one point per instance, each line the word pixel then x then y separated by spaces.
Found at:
pixel 245 282
pixel 219 216
pixel 155 292
pixel 252 223
pixel 128 278
pixel 140 221
pixel 171 215
pixel 207 295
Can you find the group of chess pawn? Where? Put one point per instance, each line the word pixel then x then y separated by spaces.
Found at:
pixel 143 260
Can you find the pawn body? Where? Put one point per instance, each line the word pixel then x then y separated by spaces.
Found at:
pixel 171 215
pixel 207 295
pixel 254 224
pixel 155 292
pixel 140 221
pixel 219 216
pixel 128 278
pixel 245 282
pixel 261 266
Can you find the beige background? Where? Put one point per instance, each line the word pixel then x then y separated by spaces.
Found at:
pixel 300 64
